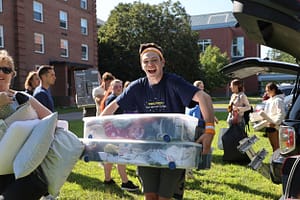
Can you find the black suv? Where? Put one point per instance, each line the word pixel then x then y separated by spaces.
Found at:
pixel 276 24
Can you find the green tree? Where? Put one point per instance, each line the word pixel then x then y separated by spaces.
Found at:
pixel 129 25
pixel 278 55
pixel 212 60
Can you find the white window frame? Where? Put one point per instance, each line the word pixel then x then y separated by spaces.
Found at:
pixel 38 8
pixel 1 37
pixel 63 19
pixel 84 26
pixel 64 48
pixel 85 56
pixel 1 4
pixel 83 4
pixel 42 51
pixel 203 44
pixel 237 47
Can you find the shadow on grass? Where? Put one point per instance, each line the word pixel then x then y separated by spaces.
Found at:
pixel 131 172
pixel 91 183
pixel 263 170
pixel 217 159
pixel 196 185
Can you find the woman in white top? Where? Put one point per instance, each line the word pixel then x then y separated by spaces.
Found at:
pixel 238 104
pixel 275 110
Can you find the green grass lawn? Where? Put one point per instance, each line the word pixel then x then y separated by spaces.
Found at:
pixel 62 110
pixel 222 181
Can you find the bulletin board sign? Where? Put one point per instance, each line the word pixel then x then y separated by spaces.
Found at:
pixel 85 82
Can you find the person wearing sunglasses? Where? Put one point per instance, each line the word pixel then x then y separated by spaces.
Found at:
pixel 6 70
pixel 161 92
pixel 34 185
pixel 6 96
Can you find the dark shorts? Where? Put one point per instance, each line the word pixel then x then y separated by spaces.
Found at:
pixel 31 187
pixel 270 130
pixel 162 181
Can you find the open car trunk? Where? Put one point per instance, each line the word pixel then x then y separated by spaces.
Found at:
pixel 273 23
pixel 253 66
pixel 276 24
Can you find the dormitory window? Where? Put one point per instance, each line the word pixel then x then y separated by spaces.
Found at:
pixel 63 19
pixel 1 6
pixel 237 48
pixel 64 49
pixel 203 44
pixel 38 43
pixel 1 37
pixel 37 11
pixel 83 4
pixel 84 29
pixel 84 52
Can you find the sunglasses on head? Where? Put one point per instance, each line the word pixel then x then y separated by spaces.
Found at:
pixel 6 70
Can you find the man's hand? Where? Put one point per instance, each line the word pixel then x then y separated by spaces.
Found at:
pixel 271 125
pixel 206 140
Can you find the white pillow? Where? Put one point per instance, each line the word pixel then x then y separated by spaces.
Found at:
pixel 63 124
pixel 24 112
pixel 36 147
pixel 10 144
pixel 63 154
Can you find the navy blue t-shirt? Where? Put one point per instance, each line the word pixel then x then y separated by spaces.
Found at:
pixel 109 99
pixel 171 95
pixel 44 97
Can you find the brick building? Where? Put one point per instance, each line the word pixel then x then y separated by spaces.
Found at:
pixel 62 33
pixel 222 30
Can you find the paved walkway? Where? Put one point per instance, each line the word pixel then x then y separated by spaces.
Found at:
pixel 220 109
pixel 70 116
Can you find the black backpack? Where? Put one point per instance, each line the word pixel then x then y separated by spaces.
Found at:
pixel 247 118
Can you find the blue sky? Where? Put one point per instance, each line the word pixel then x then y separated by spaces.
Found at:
pixel 192 7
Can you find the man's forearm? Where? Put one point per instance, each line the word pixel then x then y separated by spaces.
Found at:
pixel 110 108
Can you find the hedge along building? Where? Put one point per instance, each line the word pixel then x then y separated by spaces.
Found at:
pixel 56 32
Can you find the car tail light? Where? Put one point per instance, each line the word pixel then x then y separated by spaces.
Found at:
pixel 287 140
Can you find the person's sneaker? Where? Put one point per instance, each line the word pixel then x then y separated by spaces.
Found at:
pixel 48 197
pixel 189 174
pixel 101 164
pixel 129 186
pixel 110 182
